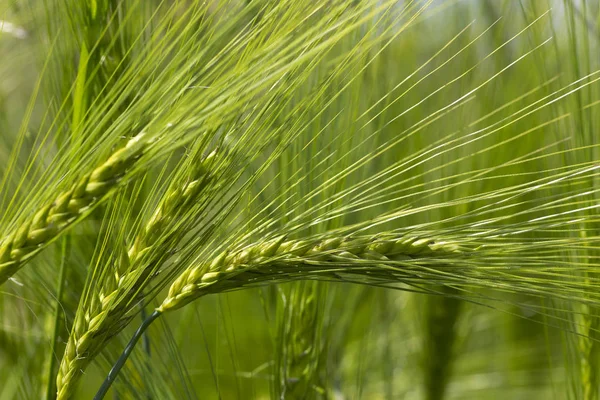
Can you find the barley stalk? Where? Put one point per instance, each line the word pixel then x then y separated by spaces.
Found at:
pixel 106 315
pixel 301 346
pixel 588 327
pixel 441 316
pixel 587 324
pixel 588 349
pixel 271 259
pixel 51 220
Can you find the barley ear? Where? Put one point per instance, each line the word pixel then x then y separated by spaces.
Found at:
pixel 105 315
pixel 53 219
pixel 268 260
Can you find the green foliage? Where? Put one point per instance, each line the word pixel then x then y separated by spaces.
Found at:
pixel 320 199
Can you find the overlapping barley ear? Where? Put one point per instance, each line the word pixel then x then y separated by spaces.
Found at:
pixel 105 316
pixel 51 220
pixel 276 259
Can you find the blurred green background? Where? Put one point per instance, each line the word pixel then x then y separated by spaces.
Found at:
pixel 475 95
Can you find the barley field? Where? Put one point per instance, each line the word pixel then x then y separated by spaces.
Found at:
pixel 300 199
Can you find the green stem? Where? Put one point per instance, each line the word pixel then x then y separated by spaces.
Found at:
pixel 50 389
pixel 114 372
pixel 443 312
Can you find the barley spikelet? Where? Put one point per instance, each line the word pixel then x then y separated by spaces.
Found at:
pixel 268 260
pixel 106 314
pixel 50 221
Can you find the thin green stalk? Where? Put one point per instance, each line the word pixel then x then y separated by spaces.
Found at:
pixel 114 372
pixel 145 338
pixel 302 350
pixel 58 318
pixel 587 343
pixel 588 348
pixel 441 316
